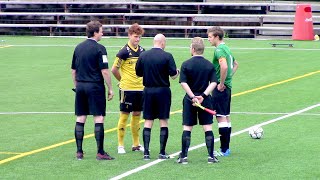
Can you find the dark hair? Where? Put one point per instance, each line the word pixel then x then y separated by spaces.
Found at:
pixel 92 27
pixel 216 31
pixel 135 28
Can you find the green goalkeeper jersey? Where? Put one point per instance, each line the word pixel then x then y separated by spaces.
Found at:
pixel 223 51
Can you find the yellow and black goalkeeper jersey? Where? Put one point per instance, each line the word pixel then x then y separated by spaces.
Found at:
pixel 126 60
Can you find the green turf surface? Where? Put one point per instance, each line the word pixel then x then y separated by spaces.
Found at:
pixel 35 76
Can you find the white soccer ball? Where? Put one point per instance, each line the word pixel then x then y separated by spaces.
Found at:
pixel 256 132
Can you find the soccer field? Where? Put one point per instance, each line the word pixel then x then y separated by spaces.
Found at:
pixel 276 86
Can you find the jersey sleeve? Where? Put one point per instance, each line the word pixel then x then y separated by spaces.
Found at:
pixel 183 74
pixel 123 54
pixel 117 62
pixel 172 65
pixel 219 53
pixel 103 58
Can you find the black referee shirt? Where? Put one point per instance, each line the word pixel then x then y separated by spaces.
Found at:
pixel 89 58
pixel 155 66
pixel 197 72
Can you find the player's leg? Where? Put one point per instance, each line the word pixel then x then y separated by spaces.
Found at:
pixel 135 129
pixel 206 120
pixel 146 137
pixel 229 119
pixel 99 136
pixel 189 119
pixel 148 115
pixel 97 107
pixel 122 122
pixel 81 111
pixel 220 105
pixel 79 133
pixel 163 101
pixel 135 121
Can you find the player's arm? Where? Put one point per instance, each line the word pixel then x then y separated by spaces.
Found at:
pixel 73 70
pixel 186 87
pixel 210 88
pixel 173 71
pixel 107 78
pixel 73 74
pixel 235 67
pixel 223 69
pixel 175 76
pixel 115 68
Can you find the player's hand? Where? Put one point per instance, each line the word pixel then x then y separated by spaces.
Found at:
pixel 195 100
pixel 200 99
pixel 110 95
pixel 221 87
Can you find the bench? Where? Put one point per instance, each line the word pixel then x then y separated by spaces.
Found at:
pixel 281 44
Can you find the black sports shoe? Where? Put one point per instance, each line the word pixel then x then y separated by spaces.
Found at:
pixel 79 155
pixel 104 156
pixel 164 156
pixel 146 157
pixel 212 159
pixel 181 160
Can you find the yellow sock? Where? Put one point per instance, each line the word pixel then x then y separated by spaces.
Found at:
pixel 122 123
pixel 135 128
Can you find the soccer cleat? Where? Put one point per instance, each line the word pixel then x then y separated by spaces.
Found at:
pixel 212 160
pixel 104 156
pixel 79 155
pixel 146 157
pixel 164 156
pixel 181 160
pixel 121 150
pixel 220 153
pixel 137 148
pixel 227 153
pixel 217 153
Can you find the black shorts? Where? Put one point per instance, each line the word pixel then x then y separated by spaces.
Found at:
pixel 221 102
pixel 156 103
pixel 130 101
pixel 90 99
pixel 191 113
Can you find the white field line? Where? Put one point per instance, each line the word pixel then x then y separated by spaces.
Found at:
pixel 140 168
pixel 245 113
pixel 168 47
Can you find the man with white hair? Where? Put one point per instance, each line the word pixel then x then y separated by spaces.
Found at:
pixel 155 66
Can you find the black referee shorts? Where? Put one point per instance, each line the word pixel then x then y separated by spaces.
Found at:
pixel 90 99
pixel 221 102
pixel 130 101
pixel 191 114
pixel 156 103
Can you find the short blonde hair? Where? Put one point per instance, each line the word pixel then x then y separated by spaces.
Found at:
pixel 197 44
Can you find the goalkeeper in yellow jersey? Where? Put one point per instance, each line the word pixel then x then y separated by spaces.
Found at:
pixel 131 87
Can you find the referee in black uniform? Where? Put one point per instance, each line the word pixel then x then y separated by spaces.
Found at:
pixel 89 72
pixel 155 66
pixel 198 79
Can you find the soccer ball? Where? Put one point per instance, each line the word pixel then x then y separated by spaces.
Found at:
pixel 256 132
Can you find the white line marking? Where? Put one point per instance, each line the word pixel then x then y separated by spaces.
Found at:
pixel 128 173
pixel 114 112
pixel 14 113
pixel 275 113
pixel 246 113
pixel 168 47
